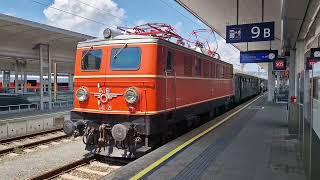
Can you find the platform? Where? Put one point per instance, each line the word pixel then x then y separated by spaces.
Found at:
pixel 30 122
pixel 252 144
pixel 31 114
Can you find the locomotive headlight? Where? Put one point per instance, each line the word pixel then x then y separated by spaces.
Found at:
pixel 131 95
pixel 82 94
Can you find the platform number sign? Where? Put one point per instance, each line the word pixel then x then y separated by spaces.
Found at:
pixel 250 32
pixel 280 64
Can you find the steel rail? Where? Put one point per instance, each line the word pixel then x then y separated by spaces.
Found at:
pixel 65 168
pixel 31 144
pixel 29 135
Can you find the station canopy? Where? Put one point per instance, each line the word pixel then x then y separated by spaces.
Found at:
pixel 19 37
pixel 217 14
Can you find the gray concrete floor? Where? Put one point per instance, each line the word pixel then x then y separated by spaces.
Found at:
pixel 253 145
pixel 33 163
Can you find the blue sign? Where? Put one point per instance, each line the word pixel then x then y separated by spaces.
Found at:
pixel 258 56
pixel 250 32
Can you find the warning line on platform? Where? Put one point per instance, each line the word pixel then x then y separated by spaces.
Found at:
pixel 187 143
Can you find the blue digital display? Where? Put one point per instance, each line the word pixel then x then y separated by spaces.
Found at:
pixel 258 56
pixel 250 32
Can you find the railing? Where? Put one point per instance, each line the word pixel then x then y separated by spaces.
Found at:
pixel 34 106
pixel 18 108
pixel 61 104
pixel 31 101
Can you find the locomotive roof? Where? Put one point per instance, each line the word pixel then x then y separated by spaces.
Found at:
pixel 134 39
pixel 120 39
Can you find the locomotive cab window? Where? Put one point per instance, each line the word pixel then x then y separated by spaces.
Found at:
pixel 125 58
pixel 169 62
pixel 91 60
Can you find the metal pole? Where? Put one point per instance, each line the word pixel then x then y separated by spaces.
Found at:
pixel 70 78
pixel 49 77
pixel 16 83
pixel 270 45
pixel 237 12
pixel 270 83
pixel 293 121
pixel 41 77
pixel 25 78
pixel 55 81
pixel 262 10
pixel 21 77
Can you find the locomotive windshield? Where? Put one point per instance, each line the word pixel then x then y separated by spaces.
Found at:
pixel 126 59
pixel 91 59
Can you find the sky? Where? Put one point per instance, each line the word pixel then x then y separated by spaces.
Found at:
pixel 93 16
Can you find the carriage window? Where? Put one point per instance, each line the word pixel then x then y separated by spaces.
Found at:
pixel 206 69
pixel 198 67
pixel 316 89
pixel 222 71
pixel 126 58
pixel 187 65
pixel 213 70
pixel 91 59
pixel 169 61
pixel 219 69
pixel 242 83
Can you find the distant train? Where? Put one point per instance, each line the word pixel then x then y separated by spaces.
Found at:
pixel 132 91
pixel 246 86
pixel 33 84
pixel 9 97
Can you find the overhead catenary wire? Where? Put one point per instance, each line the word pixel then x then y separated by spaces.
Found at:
pixel 48 5
pixel 181 13
pixel 196 23
pixel 231 46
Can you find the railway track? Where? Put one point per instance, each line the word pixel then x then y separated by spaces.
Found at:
pixel 17 144
pixel 91 167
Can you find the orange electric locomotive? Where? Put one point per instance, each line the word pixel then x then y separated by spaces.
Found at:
pixel 132 90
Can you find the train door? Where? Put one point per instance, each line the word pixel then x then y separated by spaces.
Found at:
pixel 170 80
